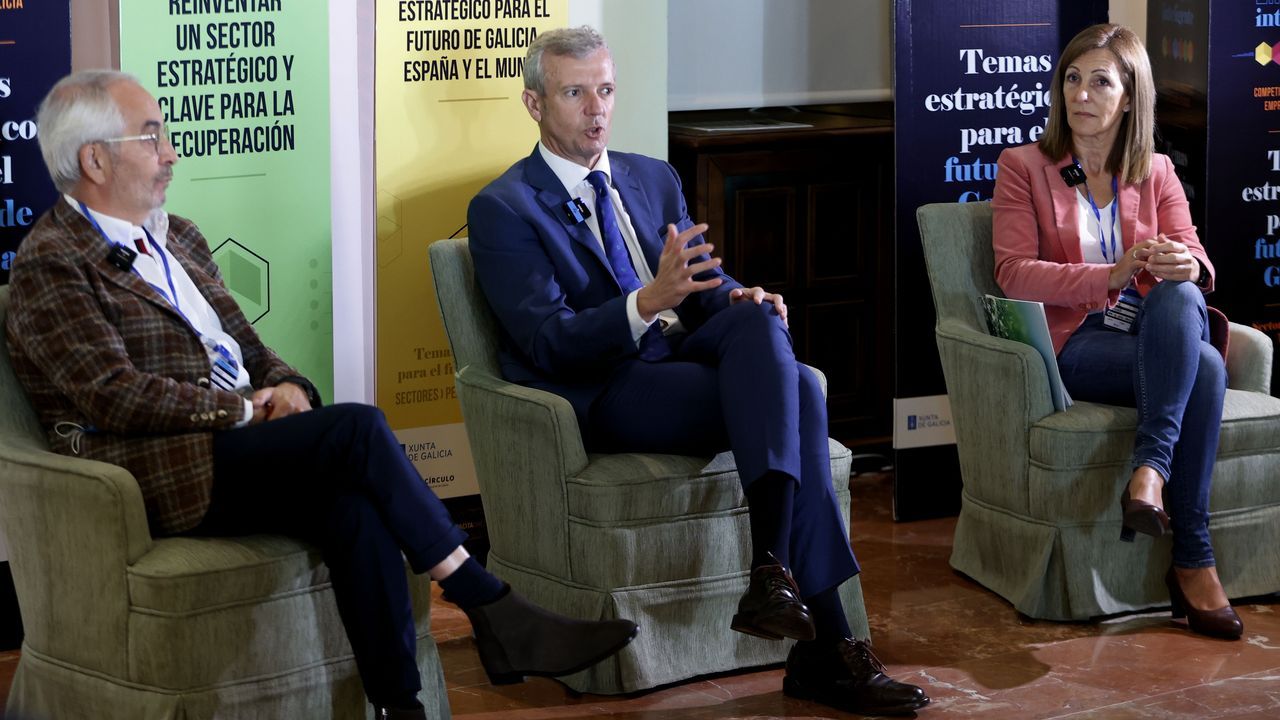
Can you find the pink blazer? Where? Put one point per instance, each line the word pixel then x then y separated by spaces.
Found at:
pixel 1036 235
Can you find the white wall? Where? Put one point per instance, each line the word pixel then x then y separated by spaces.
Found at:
pixel 351 84
pixel 1131 13
pixel 95 34
pixel 749 53
pixel 637 35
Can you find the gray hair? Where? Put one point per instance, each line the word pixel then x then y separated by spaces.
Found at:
pixel 576 42
pixel 78 110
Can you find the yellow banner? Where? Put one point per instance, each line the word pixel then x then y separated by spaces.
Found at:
pixel 448 120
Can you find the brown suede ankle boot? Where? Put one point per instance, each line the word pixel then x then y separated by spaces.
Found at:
pixel 517 638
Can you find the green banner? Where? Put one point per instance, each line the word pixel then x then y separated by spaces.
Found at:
pixel 244 86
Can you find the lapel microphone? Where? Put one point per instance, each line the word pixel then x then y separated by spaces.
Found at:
pixel 576 211
pixel 1073 175
pixel 122 257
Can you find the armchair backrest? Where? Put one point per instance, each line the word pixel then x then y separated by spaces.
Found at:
pixel 72 526
pixel 18 422
pixel 960 261
pixel 472 328
pixel 982 372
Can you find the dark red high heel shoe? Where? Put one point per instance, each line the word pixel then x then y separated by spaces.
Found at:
pixel 1222 623
pixel 1141 517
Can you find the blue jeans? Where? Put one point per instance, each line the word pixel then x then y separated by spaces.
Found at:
pixel 1167 370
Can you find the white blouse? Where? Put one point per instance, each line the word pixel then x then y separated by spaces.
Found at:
pixel 1090 243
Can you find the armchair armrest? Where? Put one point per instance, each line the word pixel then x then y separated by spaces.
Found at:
pixel 72 527
pixel 998 389
pixel 1249 359
pixel 525 442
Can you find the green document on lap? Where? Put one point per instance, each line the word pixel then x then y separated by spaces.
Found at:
pixel 1024 321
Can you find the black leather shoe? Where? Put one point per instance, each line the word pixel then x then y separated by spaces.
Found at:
pixel 517 638
pixel 389 713
pixel 771 607
pixel 847 676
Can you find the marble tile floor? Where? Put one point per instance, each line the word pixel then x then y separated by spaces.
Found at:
pixel 974 654
pixel 8 664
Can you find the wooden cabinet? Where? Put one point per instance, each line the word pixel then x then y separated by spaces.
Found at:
pixel 807 211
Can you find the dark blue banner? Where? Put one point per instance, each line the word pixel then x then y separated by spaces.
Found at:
pixel 971 79
pixel 35 52
pixel 1242 223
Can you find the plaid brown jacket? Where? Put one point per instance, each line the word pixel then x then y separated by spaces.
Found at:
pixel 96 346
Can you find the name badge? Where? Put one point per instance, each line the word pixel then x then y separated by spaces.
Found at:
pixel 1124 314
pixel 225 369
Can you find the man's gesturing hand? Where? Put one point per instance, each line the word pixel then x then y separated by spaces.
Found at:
pixel 674 281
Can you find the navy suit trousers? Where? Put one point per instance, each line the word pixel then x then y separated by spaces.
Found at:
pixel 733 383
pixel 336 476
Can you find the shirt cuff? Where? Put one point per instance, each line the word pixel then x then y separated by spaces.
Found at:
pixel 638 325
pixel 248 414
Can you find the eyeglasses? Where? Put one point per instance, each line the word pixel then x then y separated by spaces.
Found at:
pixel 154 138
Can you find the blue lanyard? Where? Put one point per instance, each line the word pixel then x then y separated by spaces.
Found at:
pixel 168 274
pixel 172 296
pixel 1097 214
pixel 228 364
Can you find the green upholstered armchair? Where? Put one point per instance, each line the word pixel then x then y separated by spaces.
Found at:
pixel 1039 519
pixel 120 625
pixel 660 539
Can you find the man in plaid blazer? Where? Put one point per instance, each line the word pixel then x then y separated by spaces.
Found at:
pixel 133 352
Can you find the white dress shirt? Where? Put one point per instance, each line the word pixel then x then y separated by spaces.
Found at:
pixel 574 178
pixel 152 269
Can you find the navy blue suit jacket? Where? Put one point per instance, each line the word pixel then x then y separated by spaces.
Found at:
pixel 549 282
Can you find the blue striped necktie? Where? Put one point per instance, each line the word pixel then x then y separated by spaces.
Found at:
pixel 653 346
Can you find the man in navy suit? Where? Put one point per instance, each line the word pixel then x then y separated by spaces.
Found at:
pixel 609 297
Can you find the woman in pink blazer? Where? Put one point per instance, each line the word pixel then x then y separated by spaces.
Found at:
pixel 1094 224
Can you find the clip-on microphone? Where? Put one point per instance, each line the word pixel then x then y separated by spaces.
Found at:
pixel 122 257
pixel 1073 175
pixel 576 211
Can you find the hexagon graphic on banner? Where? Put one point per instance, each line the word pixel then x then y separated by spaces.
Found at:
pixel 247 275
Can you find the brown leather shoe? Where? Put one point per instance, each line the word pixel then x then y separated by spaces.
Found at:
pixel 772 608
pixel 517 638
pixel 1222 623
pixel 847 676
pixel 1141 517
